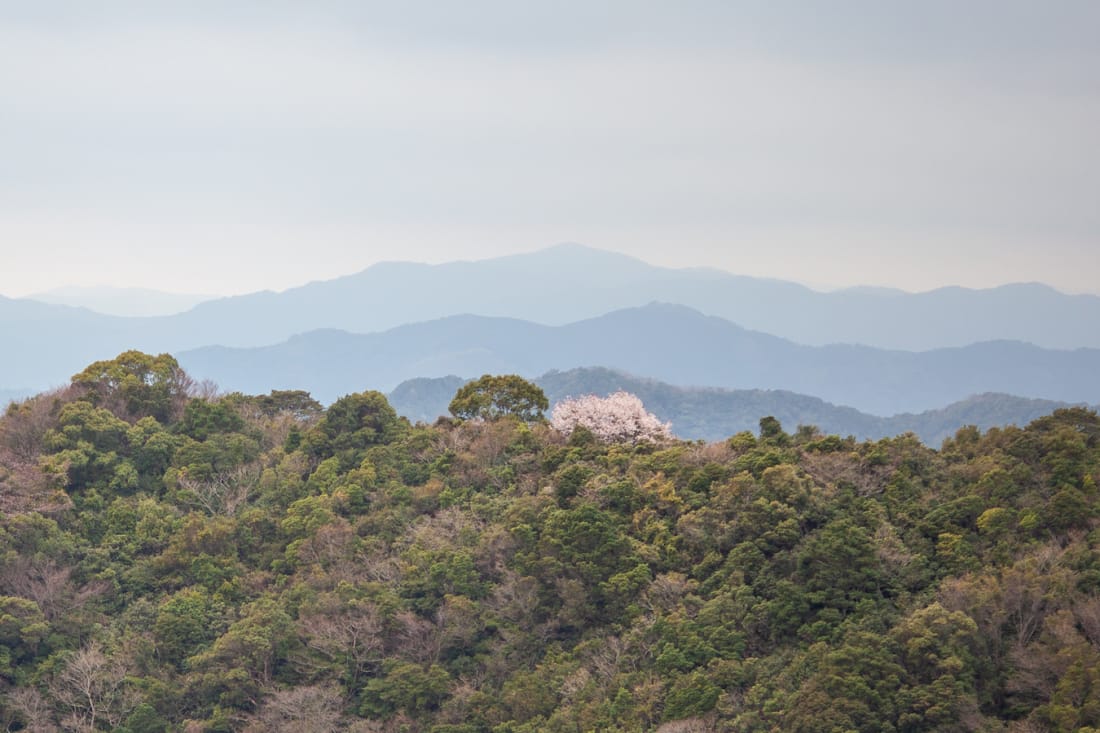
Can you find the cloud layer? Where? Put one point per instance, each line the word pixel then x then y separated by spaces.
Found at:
pixel 229 147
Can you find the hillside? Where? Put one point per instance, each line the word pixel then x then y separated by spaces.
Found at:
pixel 257 563
pixel 673 344
pixel 713 414
pixel 424 399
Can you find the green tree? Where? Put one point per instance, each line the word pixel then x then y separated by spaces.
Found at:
pixel 352 424
pixel 496 396
pixel 203 418
pixel 408 687
pixel 244 659
pixel 937 648
pixel 771 430
pixel 137 384
pixel 295 402
pixel 184 622
pixel 89 445
pixel 689 696
pixel 22 629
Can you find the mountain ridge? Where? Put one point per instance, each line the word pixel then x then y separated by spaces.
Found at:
pixel 127 302
pixel 672 343
pixel 555 286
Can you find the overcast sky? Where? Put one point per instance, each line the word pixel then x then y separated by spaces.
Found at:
pixel 225 147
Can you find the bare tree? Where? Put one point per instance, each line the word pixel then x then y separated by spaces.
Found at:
pixel 24 485
pixel 24 424
pixel 1087 612
pixel 32 710
pixel 92 686
pixel 226 491
pixel 44 581
pixel 607 659
pixel 205 389
pixel 420 640
pixel 667 590
pixel 314 708
pixel 351 635
pixel 688 725
pixel 330 547
pixel 1027 589
pixel 515 598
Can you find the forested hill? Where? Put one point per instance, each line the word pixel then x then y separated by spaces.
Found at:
pixel 175 562
pixel 701 413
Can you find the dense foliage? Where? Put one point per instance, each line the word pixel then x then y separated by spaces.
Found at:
pixel 177 562
pixel 490 397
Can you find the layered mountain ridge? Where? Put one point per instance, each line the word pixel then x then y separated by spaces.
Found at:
pixel 554 286
pixel 876 350
pixel 671 343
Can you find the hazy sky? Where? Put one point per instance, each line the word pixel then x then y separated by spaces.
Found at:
pixel 225 146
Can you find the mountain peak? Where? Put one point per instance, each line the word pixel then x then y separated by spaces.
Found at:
pixel 574 254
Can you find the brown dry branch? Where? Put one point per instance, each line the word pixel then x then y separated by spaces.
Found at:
pixel 316 708
pixel 226 492
pixel 32 710
pixel 92 686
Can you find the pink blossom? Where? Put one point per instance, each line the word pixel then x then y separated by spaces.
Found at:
pixel 618 418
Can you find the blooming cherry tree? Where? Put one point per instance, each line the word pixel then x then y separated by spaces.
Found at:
pixel 617 418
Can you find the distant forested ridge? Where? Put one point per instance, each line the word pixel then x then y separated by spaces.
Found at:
pixel 172 559
pixel 671 343
pixel 699 413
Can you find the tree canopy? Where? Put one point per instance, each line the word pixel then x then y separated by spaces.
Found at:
pixel 490 397
pixel 141 384
pixel 210 571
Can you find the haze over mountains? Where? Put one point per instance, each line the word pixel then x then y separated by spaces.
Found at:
pixel 671 343
pixel 878 350
pixel 121 301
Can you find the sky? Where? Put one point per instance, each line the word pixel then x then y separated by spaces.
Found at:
pixel 222 146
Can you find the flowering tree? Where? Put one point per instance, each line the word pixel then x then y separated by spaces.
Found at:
pixel 617 418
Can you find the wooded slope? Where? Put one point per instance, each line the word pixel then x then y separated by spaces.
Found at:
pixel 173 562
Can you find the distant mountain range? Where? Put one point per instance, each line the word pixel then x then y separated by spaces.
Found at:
pixel 671 343
pixel 45 344
pixel 567 283
pixel 121 301
pixel 715 414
